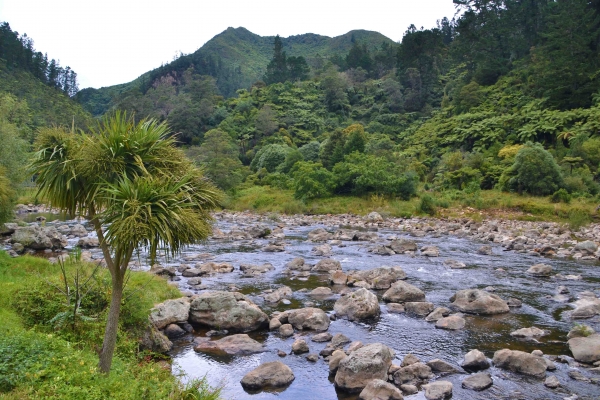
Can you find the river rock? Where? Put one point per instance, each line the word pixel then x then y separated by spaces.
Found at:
pixel 552 382
pixel 298 264
pixel 475 360
pixel 453 264
pixel 430 251
pixel 300 346
pixel 409 389
pixel 39 238
pixel 334 360
pixel 438 390
pixel 327 265
pixel 418 308
pixel 395 308
pixel 306 319
pixel 278 294
pixel 400 246
pixel 321 292
pixel 319 235
pixel 478 382
pixel 251 269
pixel 8 228
pixel 275 247
pixel 210 268
pixel 272 374
pixel 580 331
pixel 378 389
pixel 226 310
pixel 191 273
pixel 485 250
pixel 88 242
pixel 363 365
pixel 169 312
pixel 259 231
pixel 409 359
pixel 338 278
pixel 322 337
pixel 437 314
pixel 588 247
pixel 452 323
pixel 540 270
pixel 322 250
pixel 529 333
pixel 339 340
pixel 78 230
pixel 585 349
pixel 374 216
pixel 401 292
pixel 514 302
pixel 286 330
pixel 413 374
pixel 240 344
pixel 154 340
pixel 520 362
pixel 174 331
pixel 438 365
pixel 357 306
pixel 475 301
pixel 274 323
pixel 378 278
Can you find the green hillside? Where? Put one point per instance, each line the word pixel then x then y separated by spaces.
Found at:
pixel 236 58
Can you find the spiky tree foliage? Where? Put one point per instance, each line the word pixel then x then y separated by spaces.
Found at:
pixel 130 178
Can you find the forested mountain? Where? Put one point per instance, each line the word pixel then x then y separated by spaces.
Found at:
pixel 235 58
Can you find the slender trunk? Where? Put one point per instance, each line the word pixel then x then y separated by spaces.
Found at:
pixel 112 324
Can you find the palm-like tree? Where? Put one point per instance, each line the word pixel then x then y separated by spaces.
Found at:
pixel 136 188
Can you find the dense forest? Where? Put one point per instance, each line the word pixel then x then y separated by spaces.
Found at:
pixel 504 96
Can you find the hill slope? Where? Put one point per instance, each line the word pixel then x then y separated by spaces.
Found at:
pixel 236 58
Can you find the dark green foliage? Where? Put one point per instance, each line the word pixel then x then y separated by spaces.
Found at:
pixel 534 171
pixel 291 159
pixel 561 196
pixel 270 157
pixel 312 181
pixel 310 151
pixel 427 205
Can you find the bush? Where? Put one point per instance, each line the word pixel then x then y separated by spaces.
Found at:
pixel 270 157
pixel 561 196
pixel 310 151
pixel 311 181
pixel 534 171
pixel 578 218
pixel 427 205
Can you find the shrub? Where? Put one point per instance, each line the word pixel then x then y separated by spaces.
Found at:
pixel 270 157
pixel 534 171
pixel 427 205
pixel 310 151
pixel 561 196
pixel 311 181
pixel 578 218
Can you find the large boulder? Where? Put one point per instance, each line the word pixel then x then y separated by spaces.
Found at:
pixel 154 340
pixel 240 344
pixel 319 235
pixel 39 238
pixel 309 318
pixel 413 374
pixel 226 310
pixel 362 366
pixel 478 382
pixel 380 390
pixel 418 308
pixel 284 292
pixel 269 375
pixel 586 349
pixel 451 323
pixel 475 301
pixel 378 278
pixel 438 390
pixel 401 292
pixel 520 362
pixel 327 265
pixel 475 360
pixel 170 311
pixel 357 306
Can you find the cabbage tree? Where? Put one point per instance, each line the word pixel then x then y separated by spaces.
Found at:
pixel 135 187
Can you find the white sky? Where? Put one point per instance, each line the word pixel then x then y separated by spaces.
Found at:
pixel 114 41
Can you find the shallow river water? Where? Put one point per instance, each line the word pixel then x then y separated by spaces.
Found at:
pixel 404 334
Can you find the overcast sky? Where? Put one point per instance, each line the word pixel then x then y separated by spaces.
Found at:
pixel 114 41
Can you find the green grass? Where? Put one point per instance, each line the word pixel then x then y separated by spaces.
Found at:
pixel 486 203
pixel 38 361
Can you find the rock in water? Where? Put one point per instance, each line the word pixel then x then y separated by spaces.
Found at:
pixel 169 312
pixel 478 382
pixel 438 390
pixel 452 323
pixel 309 318
pixel 380 390
pixel 528 333
pixel 379 278
pixel 401 292
pixel 227 310
pixel 475 301
pixel 240 344
pixel 540 270
pixel 327 265
pixel 475 360
pixel 363 365
pixel 300 346
pixel 586 349
pixel 413 374
pixel 357 306
pixel 272 374
pixel 520 362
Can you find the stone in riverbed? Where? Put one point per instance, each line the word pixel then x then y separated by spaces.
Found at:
pixel 278 294
pixel 485 250
pixel 338 278
pixel 585 349
pixel 174 331
pixel 327 265
pixel 169 312
pixel 478 382
pixel 438 365
pixel 430 251
pixel 453 264
pixel 334 360
pixel 240 344
pixel 475 301
pixel 226 310
pixel 540 270
pixel 475 360
pixel 552 382
pixel 452 323
pixel 418 308
pixel 286 330
pixel 520 362
pixel 300 347
pixel 321 292
pixel 309 318
pixel 401 246
pixel 529 333
pixel 272 374
pixel 356 306
pixel 395 308
pixel 401 292
pixel 438 390
pixel 413 374
pixel 363 365
pixel 588 247
pixel 437 314
pixel 378 389
pixel 378 278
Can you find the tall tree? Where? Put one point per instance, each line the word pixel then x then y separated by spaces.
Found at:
pixel 277 70
pixel 129 178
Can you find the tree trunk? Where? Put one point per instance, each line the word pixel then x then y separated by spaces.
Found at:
pixel 112 324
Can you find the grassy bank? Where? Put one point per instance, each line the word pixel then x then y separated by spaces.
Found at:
pixel 477 205
pixel 42 356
